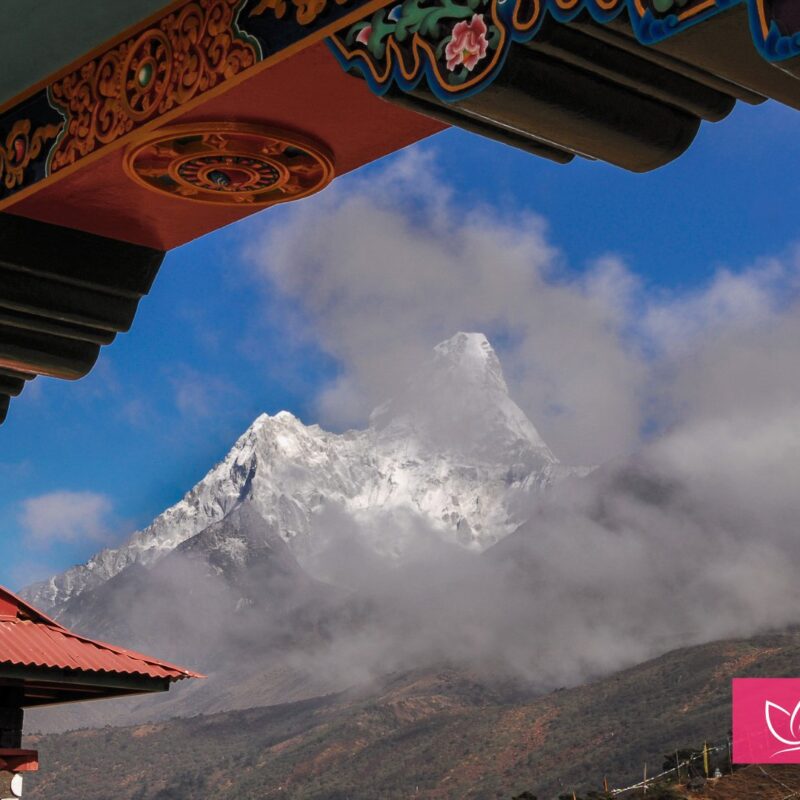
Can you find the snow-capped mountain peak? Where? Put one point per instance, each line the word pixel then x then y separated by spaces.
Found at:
pixel 472 358
pixel 450 457
pixel 459 402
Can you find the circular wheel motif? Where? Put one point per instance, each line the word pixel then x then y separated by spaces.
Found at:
pixel 229 173
pixel 146 74
pixel 230 163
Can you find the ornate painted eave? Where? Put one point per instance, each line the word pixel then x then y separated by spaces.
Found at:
pixel 405 42
pixel 624 81
pixel 206 111
pixel 195 52
pixel 454 50
pixel 197 116
pixel 422 54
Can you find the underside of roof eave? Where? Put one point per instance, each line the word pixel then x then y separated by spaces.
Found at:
pixel 45 686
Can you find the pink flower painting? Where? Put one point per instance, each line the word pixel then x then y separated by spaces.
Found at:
pixel 468 43
pixel 364 34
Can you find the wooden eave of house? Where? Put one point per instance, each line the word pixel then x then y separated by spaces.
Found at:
pixel 84 225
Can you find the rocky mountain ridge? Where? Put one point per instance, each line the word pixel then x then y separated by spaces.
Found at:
pixel 452 459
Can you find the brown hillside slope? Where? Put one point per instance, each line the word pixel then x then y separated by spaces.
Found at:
pixel 440 734
pixel 770 782
pixel 751 782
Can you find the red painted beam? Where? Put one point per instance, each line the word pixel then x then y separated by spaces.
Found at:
pixel 13 760
pixel 307 93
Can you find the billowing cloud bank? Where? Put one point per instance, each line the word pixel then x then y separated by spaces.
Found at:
pixel 377 271
pixel 693 538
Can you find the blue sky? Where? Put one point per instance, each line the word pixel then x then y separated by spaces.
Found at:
pixel 211 348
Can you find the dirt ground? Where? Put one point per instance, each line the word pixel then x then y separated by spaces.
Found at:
pixel 770 782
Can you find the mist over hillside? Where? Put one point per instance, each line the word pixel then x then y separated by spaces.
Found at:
pixel 445 533
pixel 436 734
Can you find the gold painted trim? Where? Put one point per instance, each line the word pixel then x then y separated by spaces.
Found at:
pixel 267 62
pixel 319 152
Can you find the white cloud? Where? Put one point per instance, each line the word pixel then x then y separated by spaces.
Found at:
pixel 198 395
pixel 385 268
pixel 732 301
pixel 692 539
pixel 65 516
pixel 378 270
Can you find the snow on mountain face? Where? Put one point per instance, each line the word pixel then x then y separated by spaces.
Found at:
pixel 451 457
pixel 460 397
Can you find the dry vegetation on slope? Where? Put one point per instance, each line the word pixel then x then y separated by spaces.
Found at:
pixel 436 734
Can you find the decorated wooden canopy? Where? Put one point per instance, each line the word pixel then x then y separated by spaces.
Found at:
pixel 145 124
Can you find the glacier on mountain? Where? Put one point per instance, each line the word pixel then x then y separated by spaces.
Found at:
pixel 452 458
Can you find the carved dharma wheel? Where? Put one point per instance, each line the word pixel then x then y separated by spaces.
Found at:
pixel 230 163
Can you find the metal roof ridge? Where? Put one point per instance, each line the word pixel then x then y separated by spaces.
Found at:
pixel 54 629
pixel 22 605
pixel 132 654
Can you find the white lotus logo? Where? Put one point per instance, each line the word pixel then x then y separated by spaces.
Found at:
pixel 788 722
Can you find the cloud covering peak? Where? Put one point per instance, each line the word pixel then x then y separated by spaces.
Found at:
pixel 458 399
pixel 379 267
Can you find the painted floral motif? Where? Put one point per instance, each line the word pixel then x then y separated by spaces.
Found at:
pixel 22 146
pixel 444 42
pixel 364 34
pixel 462 40
pixel 468 43
pixel 783 727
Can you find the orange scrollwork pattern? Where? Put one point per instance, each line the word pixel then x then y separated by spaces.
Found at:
pixel 306 11
pixel 20 148
pixel 187 53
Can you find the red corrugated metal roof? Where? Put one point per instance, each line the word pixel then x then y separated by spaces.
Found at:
pixel 29 638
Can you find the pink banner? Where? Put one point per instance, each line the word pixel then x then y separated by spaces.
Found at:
pixel 766 720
